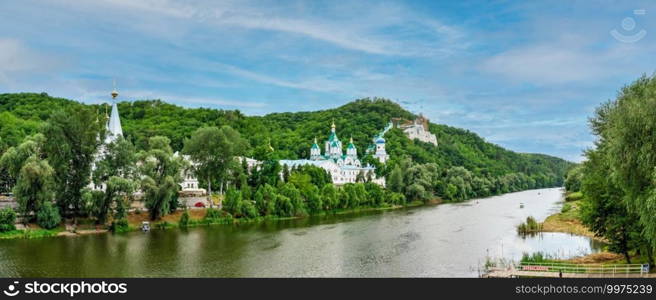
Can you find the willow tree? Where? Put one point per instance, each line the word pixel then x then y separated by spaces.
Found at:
pixel 14 158
pixel 71 141
pixel 34 186
pixel 627 129
pixel 213 151
pixel 161 175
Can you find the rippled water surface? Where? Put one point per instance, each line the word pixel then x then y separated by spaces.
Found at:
pixel 450 240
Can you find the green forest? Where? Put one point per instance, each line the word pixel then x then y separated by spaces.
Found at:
pixel 46 137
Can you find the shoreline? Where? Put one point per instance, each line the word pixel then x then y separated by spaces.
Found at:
pixel 568 221
pixel 197 220
pixel 172 221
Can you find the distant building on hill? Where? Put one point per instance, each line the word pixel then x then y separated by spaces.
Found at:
pixel 417 129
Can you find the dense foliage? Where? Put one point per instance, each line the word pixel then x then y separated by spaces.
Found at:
pixel 307 191
pixel 7 219
pixel 50 147
pixel 618 179
pixel 490 169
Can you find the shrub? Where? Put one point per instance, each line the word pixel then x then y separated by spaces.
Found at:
pixel 120 225
pixel 574 196
pixel 7 219
pixel 212 213
pixel 537 257
pixel 249 209
pixel 48 216
pixel 163 225
pixel 184 219
pixel 566 207
pixel 530 226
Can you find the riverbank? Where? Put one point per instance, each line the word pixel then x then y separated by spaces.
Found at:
pixel 568 221
pixel 197 217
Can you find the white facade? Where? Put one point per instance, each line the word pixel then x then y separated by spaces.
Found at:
pixel 343 168
pixel 189 180
pixel 377 149
pixel 418 129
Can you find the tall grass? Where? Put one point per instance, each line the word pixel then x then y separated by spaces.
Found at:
pixel 528 227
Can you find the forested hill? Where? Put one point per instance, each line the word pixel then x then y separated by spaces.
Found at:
pixel 291 134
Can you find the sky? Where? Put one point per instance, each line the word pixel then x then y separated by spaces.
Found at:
pixel 522 74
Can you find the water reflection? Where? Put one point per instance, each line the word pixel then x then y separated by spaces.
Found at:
pixel 444 241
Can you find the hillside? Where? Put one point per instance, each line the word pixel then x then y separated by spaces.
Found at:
pixel 291 134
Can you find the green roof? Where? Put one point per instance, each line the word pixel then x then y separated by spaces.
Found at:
pixel 315 146
pixel 351 146
pixel 332 137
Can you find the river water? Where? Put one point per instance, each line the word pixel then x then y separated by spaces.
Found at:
pixel 449 240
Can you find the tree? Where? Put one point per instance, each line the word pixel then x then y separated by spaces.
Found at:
pixel 395 180
pixel 573 179
pixel 213 151
pixel 7 219
pixel 48 216
pixel 34 186
pixel 184 219
pixel 330 196
pixel 618 181
pixel 118 159
pixel 605 212
pixel 233 202
pixel 313 199
pixel 116 170
pixel 295 198
pixel 160 170
pixel 71 141
pixel 115 198
pixel 376 194
pixel 14 158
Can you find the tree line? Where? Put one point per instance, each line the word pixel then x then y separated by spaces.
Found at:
pixel 50 146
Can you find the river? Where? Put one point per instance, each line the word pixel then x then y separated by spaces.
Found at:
pixel 449 240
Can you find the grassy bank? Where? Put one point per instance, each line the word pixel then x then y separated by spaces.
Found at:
pixel 568 221
pixel 31 233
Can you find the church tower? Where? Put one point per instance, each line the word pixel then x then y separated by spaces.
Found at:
pixel 315 151
pixel 114 129
pixel 333 144
pixel 351 150
pixel 380 154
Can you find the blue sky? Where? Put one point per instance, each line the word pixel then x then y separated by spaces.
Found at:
pixel 523 74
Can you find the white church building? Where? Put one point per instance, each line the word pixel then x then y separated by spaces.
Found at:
pixel 114 130
pixel 343 168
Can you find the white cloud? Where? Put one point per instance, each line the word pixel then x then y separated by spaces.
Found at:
pixel 365 32
pixel 131 95
pixel 545 64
